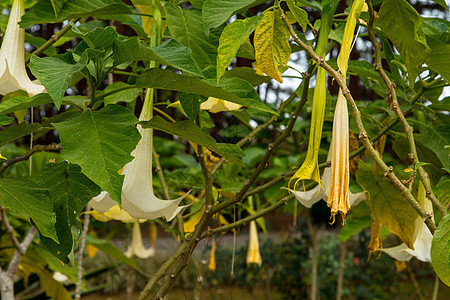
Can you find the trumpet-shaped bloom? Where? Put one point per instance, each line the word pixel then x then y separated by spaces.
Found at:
pixel 216 105
pixel 308 198
pixel 13 75
pixel 212 257
pixel 253 255
pixel 137 246
pixel 422 236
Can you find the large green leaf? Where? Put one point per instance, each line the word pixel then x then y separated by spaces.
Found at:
pixel 438 140
pixel 101 143
pixel 98 38
pixel 387 203
pixel 43 11
pixel 70 191
pixel 400 22
pixel 23 102
pixel 111 250
pixel 191 132
pixel 440 250
pixel 438 60
pixel 28 199
pixel 127 94
pixel 56 74
pixel 231 39
pixel 300 14
pixel 5 120
pixel 232 89
pixel 171 53
pixel 15 132
pixel 186 27
pixel 216 12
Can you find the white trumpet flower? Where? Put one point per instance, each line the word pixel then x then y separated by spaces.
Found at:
pixel 13 76
pixel 422 236
pixel 137 246
pixel 309 198
pixel 138 197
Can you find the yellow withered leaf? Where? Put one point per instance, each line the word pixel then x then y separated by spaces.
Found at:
pixel 272 50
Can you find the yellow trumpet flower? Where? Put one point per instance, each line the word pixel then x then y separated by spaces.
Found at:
pixel 13 75
pixel 253 254
pixel 137 246
pixel 216 105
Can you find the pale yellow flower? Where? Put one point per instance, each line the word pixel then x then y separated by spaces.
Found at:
pixel 13 75
pixel 253 254
pixel 212 257
pixel 137 246
pixel 422 236
pixel 216 105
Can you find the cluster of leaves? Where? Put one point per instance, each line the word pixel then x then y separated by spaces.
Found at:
pixel 96 127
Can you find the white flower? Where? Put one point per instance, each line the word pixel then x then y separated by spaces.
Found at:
pixel 13 75
pixel 422 236
pixel 216 105
pixel 309 198
pixel 137 246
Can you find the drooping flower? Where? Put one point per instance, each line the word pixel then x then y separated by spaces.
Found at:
pixel 308 198
pixel 253 254
pixel 137 246
pixel 422 236
pixel 13 75
pixel 212 257
pixel 138 197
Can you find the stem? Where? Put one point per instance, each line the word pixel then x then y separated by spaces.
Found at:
pixel 314 255
pixel 415 283
pixel 388 171
pixel 437 281
pixel 87 218
pixel 392 95
pixel 8 228
pixel 53 39
pixel 38 148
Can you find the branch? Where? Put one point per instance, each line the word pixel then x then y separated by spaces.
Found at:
pixel 423 175
pixel 388 171
pixel 87 218
pixel 9 229
pixel 14 264
pixel 38 148
pixel 52 40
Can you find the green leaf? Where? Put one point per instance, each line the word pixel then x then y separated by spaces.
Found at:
pixel 441 3
pixel 70 191
pixel 5 120
pixel 110 250
pixel 191 132
pixel 126 95
pixel 443 191
pixel 190 104
pixel 440 250
pixel 247 74
pixel 23 102
pixel 231 39
pixel 12 133
pixel 272 50
pixel 98 38
pixel 43 11
pixel 216 12
pixel 401 23
pixel 438 140
pixel 300 14
pixel 387 203
pixel 55 73
pixel 231 89
pixel 28 199
pixel 438 60
pixel 101 143
pixel 186 27
pixel 171 53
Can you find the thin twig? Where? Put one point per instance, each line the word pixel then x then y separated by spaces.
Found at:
pixel 388 171
pixel 8 228
pixel 14 264
pixel 38 148
pixel 87 218
pixel 53 39
pixel 392 96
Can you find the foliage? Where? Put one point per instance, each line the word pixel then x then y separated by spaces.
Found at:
pixel 110 69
